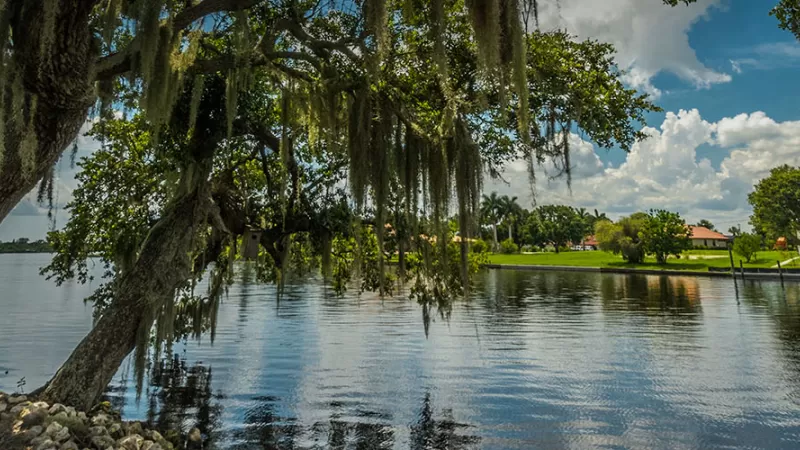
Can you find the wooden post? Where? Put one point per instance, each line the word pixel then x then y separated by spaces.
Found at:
pixel 730 254
pixel 780 270
pixel 741 268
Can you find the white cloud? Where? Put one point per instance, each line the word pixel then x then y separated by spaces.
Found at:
pixel 665 170
pixel 649 37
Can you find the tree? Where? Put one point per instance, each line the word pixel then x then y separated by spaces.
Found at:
pixel 747 245
pixel 776 203
pixel 587 220
pixel 597 217
pixel 559 225
pixel 623 237
pixel 276 102
pixel 491 212
pixel 510 213
pixel 734 231
pixel 706 224
pixel 664 233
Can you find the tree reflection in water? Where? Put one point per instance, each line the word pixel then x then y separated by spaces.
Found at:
pixel 180 397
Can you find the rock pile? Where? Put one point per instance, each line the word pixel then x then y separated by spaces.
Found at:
pixel 40 426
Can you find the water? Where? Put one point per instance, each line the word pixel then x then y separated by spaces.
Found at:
pixel 534 360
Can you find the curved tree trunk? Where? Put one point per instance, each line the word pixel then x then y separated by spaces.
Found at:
pixel 164 265
pixel 58 77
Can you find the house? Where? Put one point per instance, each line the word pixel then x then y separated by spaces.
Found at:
pixel 703 237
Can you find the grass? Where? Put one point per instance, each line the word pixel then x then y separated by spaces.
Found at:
pixel 604 259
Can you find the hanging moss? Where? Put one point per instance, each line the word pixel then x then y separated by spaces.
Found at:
pixel 148 31
pixel 485 18
pixel 30 143
pixel 438 27
pixel 359 144
pixel 197 96
pixel 111 21
pixel 377 19
pixel 49 12
pixel 519 63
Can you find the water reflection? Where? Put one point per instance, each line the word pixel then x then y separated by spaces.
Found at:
pixel 530 360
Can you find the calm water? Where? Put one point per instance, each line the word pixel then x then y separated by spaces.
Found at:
pixel 533 360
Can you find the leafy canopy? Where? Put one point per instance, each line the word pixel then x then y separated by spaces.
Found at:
pixel 776 203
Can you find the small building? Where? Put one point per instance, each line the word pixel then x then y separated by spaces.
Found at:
pixel 703 237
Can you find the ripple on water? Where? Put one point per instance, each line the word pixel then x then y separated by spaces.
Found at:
pixel 531 360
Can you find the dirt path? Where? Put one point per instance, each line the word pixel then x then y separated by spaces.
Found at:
pixel 786 263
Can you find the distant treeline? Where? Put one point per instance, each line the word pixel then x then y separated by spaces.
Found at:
pixel 24 245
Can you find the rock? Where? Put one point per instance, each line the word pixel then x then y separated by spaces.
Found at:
pixel 34 432
pixel 101 419
pixel 38 440
pixel 195 439
pixel 5 416
pixel 102 442
pixel 14 399
pixel 132 442
pixel 61 417
pixel 38 405
pixel 98 430
pixel 154 435
pixel 71 411
pixel 82 416
pixel 53 428
pixel 69 445
pixel 154 446
pixel 115 430
pixel 3 406
pixel 57 408
pixel 17 409
pixel 62 435
pixel 47 445
pixel 134 428
pixel 34 417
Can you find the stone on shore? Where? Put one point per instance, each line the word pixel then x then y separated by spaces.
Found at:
pixel 40 426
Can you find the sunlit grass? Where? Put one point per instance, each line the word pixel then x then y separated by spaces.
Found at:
pixel 688 260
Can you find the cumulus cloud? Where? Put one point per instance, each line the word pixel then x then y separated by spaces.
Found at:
pixel 649 37
pixel 665 170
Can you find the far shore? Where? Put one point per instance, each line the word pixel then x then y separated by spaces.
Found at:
pixel 711 263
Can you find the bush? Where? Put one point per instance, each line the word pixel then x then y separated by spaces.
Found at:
pixel 479 246
pixel 508 247
pixel 747 245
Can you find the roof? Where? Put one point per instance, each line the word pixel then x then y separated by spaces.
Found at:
pixel 590 240
pixel 705 233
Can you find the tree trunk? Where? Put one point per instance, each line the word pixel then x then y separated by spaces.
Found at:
pixel 58 78
pixel 496 244
pixel 510 232
pixel 164 264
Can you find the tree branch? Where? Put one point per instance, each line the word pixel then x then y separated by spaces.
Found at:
pixel 120 62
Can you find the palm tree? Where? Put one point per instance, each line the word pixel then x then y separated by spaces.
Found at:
pixel 510 210
pixel 599 216
pixel 587 220
pixel 491 212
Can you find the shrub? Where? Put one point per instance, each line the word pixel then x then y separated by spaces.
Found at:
pixel 508 247
pixel 479 246
pixel 747 245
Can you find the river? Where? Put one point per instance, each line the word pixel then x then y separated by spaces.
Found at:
pixel 532 360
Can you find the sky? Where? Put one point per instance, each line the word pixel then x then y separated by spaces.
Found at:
pixel 724 74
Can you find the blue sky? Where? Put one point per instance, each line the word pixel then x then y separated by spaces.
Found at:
pixel 724 74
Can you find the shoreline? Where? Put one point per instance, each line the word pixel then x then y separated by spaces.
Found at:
pixel 632 271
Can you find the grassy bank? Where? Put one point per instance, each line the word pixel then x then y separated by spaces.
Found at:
pixel 694 260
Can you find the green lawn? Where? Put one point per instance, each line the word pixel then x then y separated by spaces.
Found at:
pixel 697 260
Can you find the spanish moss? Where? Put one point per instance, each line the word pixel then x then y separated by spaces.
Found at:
pixel 197 96
pixel 49 12
pixel 377 21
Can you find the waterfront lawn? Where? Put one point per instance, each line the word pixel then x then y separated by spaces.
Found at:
pixel 688 261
